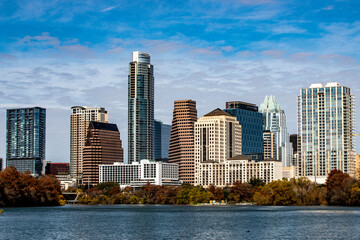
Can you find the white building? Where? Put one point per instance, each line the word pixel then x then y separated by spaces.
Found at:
pixel 139 173
pixel 218 159
pixel 326 120
pixel 275 121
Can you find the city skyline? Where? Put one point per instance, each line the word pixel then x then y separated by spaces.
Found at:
pixel 240 52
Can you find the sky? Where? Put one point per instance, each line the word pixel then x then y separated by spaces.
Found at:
pixel 57 54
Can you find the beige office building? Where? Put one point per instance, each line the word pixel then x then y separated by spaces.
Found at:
pixel 269 145
pixel 217 138
pixel 79 123
pixel 181 150
pixel 218 159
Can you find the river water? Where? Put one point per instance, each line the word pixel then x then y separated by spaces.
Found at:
pixel 179 222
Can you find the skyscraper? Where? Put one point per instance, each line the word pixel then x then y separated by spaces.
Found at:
pixel 1 164
pixel 181 150
pixel 161 140
pixel 102 146
pixel 217 138
pixel 140 108
pixel 79 123
pixel 274 119
pixel 251 122
pixel 25 139
pixel 325 131
pixel 269 145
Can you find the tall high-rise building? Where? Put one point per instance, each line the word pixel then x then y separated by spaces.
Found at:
pixel 140 108
pixel 79 120
pixel 102 146
pixel 269 145
pixel 326 131
pixel 1 164
pixel 274 119
pixel 25 139
pixel 161 140
pixel 181 150
pixel 294 142
pixel 294 139
pixel 357 166
pixel 251 122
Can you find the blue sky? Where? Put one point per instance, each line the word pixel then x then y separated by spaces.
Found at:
pixel 57 54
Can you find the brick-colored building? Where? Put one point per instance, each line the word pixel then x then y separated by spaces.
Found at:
pixel 57 168
pixel 102 146
pixel 181 150
pixel 79 120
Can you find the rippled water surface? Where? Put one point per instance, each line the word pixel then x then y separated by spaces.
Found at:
pixel 180 222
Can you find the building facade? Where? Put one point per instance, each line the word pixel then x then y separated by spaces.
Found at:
pixel 57 168
pixel 274 119
pixel 251 122
pixel 1 164
pixel 357 166
pixel 181 149
pixel 217 138
pixel 79 122
pixel 295 143
pixel 25 139
pixel 140 108
pixel 138 174
pixel 326 131
pixel 162 134
pixel 269 145
pixel 102 146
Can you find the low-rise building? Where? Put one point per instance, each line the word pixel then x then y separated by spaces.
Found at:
pixel 140 173
pixel 218 159
pixel 239 168
pixel 289 172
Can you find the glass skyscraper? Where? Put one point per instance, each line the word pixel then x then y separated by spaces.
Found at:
pixel 275 121
pixel 325 131
pixel 162 133
pixel 251 122
pixel 25 139
pixel 140 108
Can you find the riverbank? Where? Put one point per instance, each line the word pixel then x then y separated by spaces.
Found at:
pixel 340 190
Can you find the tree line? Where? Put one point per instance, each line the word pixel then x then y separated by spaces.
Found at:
pixel 340 189
pixel 23 190
pixel 20 190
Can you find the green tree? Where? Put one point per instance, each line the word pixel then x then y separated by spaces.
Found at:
pixel 277 193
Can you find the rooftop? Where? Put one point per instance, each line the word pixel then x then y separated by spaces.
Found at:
pixel 217 112
pixel 104 126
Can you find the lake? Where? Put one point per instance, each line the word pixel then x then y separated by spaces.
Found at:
pixel 180 222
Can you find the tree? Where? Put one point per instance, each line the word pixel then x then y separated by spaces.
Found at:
pixel 337 183
pixel 277 193
pixel 107 186
pixel 21 189
pixel 217 193
pixel 240 192
pixel 256 182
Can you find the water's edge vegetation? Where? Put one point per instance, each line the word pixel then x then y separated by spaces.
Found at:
pixel 18 190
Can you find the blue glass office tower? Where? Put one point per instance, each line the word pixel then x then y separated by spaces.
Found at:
pixel 162 133
pixel 25 139
pixel 251 122
pixel 140 108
